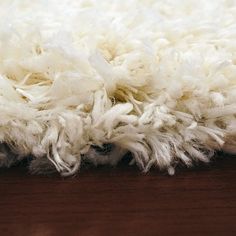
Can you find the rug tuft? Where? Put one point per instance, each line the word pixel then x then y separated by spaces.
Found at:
pixel 86 80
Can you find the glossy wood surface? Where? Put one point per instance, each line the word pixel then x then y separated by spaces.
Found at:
pixel 120 201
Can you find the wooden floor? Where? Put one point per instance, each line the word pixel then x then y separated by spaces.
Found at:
pixel 120 201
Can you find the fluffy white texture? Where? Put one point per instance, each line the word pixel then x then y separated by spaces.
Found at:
pixel 156 78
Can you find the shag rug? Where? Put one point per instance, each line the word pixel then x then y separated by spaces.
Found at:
pixel 90 81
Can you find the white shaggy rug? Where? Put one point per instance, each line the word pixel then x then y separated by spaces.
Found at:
pixel 89 81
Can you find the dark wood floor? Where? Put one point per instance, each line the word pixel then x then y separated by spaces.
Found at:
pixel 120 201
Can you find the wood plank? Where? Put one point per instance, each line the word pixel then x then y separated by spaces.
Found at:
pixel 120 201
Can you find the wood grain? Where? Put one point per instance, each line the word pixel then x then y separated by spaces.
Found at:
pixel 120 201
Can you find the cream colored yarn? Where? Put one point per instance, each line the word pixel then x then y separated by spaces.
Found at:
pixel 154 78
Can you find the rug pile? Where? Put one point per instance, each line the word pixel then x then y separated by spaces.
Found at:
pixel 89 81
